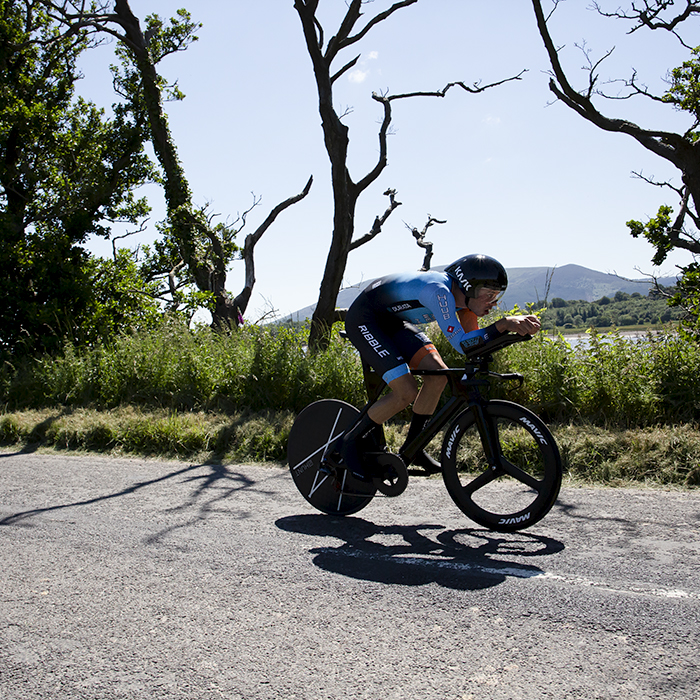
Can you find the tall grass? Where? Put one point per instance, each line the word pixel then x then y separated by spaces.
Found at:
pixel 181 369
pixel 156 432
pixel 609 381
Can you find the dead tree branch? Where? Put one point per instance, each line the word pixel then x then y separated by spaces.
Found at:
pixel 378 222
pixel 422 243
pixel 673 147
pixel 650 15
pixel 240 303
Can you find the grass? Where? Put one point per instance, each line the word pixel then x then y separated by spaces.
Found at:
pixel 658 456
pixel 155 433
pixel 621 410
pixel 184 370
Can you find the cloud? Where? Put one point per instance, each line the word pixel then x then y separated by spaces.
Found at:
pixel 358 76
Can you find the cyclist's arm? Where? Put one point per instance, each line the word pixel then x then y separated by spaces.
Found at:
pixel 468 320
pixel 522 325
pixel 438 299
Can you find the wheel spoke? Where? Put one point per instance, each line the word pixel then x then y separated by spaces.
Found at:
pixel 316 483
pixel 520 474
pixel 342 489
pixel 486 477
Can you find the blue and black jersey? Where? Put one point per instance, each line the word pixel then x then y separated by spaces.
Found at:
pixel 382 321
pixel 424 297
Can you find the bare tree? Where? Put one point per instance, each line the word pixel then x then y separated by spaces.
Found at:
pixel 682 150
pixel 346 191
pixel 206 250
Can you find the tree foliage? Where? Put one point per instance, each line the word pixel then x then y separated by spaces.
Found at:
pixel 196 249
pixel 620 311
pixel 66 172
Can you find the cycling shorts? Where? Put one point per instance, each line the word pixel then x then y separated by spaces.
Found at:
pixel 390 345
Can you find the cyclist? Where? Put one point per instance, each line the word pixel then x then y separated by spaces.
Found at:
pixel 381 325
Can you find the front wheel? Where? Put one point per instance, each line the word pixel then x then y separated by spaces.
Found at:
pixel 315 434
pixel 521 487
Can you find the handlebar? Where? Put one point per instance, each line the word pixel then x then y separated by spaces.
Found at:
pixel 503 341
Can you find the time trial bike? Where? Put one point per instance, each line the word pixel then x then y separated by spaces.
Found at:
pixel 499 461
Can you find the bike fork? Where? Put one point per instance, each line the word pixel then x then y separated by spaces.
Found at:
pixel 488 433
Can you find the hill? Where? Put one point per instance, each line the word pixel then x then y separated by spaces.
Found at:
pixel 569 282
pixel 529 284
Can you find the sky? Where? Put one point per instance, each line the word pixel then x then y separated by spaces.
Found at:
pixel 515 174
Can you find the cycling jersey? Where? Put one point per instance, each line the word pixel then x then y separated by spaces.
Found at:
pixel 380 322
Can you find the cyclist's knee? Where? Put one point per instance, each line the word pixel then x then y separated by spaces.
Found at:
pixel 405 389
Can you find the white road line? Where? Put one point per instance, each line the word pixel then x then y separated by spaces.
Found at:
pixel 514 571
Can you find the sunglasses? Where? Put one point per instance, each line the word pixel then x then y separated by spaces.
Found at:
pixel 489 295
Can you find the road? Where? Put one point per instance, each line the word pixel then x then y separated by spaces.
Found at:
pixel 138 579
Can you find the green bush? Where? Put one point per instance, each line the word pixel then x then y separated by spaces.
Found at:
pixel 188 370
pixel 607 380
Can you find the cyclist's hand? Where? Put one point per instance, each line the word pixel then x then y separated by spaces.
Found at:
pixel 522 325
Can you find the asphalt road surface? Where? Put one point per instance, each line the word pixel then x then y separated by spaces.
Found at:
pixel 137 579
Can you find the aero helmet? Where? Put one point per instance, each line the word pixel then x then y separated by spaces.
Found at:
pixel 473 272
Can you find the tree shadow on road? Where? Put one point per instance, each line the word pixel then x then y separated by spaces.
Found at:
pixel 211 487
pixel 211 495
pixel 465 559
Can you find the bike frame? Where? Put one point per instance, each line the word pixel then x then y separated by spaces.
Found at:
pixel 466 385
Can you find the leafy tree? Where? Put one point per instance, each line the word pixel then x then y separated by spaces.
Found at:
pixel 123 298
pixel 196 250
pixel 66 172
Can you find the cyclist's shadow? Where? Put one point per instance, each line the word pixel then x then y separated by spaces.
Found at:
pixel 467 559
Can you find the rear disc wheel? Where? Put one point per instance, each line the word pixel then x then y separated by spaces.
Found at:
pixel 313 436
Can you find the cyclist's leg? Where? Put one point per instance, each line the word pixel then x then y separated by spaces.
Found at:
pixel 384 342
pixel 353 445
pixel 389 345
pixel 433 386
pixel 425 404
pixel 402 392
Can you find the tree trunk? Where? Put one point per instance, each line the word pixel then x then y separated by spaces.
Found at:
pixel 177 191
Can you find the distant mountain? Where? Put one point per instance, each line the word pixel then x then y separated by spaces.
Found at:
pixel 532 284
pixel 345 298
pixel 570 282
